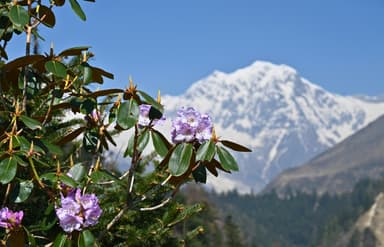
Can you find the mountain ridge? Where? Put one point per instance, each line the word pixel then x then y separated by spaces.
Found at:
pixel 283 117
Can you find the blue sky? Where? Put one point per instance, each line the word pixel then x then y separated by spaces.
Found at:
pixel 169 44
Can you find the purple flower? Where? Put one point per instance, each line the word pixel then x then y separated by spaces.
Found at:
pixel 78 211
pixel 10 219
pixel 144 119
pixel 190 125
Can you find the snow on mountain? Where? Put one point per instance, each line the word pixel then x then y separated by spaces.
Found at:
pixel 284 118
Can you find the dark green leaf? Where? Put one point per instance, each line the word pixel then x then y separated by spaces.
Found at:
pixel 160 143
pixel 87 106
pixel 53 149
pixel 200 174
pixel 128 114
pixel 226 159
pixel 78 172
pixel 154 113
pixel 56 68
pixel 30 122
pixel 90 141
pixel 50 177
pixel 19 16
pixel 68 180
pixel 86 239
pixel 74 51
pixel 22 191
pixel 77 9
pixel 60 240
pixel 180 159
pixel 49 17
pixel 8 168
pixel 206 151
pixel 235 146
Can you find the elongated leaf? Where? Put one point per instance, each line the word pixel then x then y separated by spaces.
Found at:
pixel 60 240
pixel 235 146
pixel 160 143
pixel 56 68
pixel 180 159
pixel 16 238
pixel 86 239
pixel 142 142
pixel 226 159
pixel 8 168
pixel 22 61
pixel 68 180
pixel 200 174
pixel 74 51
pixel 206 151
pixel 127 114
pixel 22 191
pixel 19 16
pixel 77 9
pixel 149 100
pixel 70 136
pixel 30 122
pixel 53 149
pixel 77 172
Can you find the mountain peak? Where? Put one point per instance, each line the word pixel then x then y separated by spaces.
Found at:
pixel 283 117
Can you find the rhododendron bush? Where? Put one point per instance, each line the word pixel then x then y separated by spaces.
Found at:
pixel 57 187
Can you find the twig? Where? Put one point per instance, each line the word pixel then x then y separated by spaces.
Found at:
pixel 113 221
pixel 6 194
pixel 162 204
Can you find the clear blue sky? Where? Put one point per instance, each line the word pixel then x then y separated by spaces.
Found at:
pixel 169 44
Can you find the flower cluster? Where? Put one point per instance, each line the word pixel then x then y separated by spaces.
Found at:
pixel 144 119
pixel 190 125
pixel 78 211
pixel 10 219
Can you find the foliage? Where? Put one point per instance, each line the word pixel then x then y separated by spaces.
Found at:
pixel 298 219
pixel 53 170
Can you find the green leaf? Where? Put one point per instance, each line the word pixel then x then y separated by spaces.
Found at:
pixel 77 9
pixel 50 177
pixel 8 168
pixel 142 142
pixel 31 123
pixel 86 239
pixel 180 159
pixel 160 143
pixel 87 106
pixel 151 101
pixel 90 140
pixel 235 146
pixel 206 151
pixel 60 240
pixel 22 191
pixel 68 180
pixel 200 174
pixel 185 213
pixel 87 73
pixel 53 149
pixel 19 16
pixel 78 172
pixel 226 159
pixel 56 68
pixel 127 114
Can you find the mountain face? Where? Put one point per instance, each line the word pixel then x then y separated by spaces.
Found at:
pixel 338 169
pixel 282 117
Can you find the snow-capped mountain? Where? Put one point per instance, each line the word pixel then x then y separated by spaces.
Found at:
pixel 284 118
